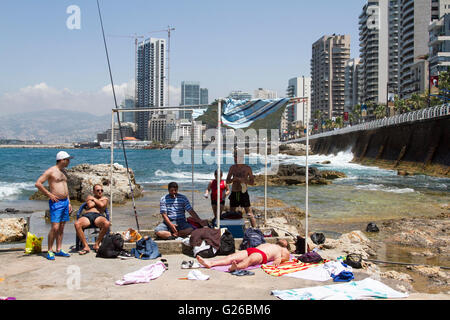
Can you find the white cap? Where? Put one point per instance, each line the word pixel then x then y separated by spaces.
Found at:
pixel 63 155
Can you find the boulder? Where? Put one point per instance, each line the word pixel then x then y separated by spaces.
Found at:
pixel 292 174
pixel 83 177
pixel 13 229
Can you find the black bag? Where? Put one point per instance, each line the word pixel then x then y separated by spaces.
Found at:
pixel 252 239
pixel 318 238
pixel 207 253
pixel 111 246
pixel 226 244
pixel 354 260
pixel 372 227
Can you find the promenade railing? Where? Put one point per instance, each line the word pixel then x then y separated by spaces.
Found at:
pixel 423 114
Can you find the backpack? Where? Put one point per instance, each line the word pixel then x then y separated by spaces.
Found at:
pixel 111 246
pixel 226 244
pixel 252 238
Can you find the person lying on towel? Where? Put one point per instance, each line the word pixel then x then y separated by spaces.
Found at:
pixel 266 252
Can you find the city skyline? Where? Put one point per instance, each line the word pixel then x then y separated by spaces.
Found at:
pixel 59 68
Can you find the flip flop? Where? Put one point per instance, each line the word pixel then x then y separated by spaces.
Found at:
pixel 165 263
pixel 83 252
pixel 242 273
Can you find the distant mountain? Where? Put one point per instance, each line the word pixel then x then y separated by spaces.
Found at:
pixel 53 126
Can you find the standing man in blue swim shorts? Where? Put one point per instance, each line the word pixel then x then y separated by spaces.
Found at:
pixel 59 203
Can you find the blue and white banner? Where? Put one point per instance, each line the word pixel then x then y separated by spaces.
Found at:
pixel 240 114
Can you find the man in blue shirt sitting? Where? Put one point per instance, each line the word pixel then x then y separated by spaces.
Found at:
pixel 172 208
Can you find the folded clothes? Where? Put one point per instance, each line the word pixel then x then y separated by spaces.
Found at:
pixel 344 276
pixel 197 275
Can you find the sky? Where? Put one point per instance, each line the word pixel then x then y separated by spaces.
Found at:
pixel 225 45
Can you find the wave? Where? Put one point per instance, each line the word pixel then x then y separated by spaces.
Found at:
pixel 182 176
pixel 380 187
pixel 12 189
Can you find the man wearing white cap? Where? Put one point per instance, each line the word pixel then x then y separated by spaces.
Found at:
pixel 59 202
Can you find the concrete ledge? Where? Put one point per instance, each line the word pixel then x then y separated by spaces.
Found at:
pixel 166 247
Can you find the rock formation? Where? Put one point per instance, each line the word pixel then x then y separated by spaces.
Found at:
pixel 83 177
pixel 13 229
pixel 292 174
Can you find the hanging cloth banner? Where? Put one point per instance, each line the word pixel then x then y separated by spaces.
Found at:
pixel 239 114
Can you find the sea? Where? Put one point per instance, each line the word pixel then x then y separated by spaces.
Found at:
pixel 366 194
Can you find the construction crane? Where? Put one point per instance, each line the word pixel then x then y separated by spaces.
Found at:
pixel 168 30
pixel 135 37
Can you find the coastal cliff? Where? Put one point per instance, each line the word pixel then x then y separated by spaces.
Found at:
pixel 420 147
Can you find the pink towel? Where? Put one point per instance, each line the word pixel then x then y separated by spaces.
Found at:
pixel 144 274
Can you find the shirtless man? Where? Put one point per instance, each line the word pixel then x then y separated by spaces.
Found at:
pixel 59 203
pixel 94 215
pixel 278 253
pixel 241 175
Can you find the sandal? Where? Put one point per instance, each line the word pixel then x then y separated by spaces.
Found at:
pixel 83 252
pixel 165 263
pixel 242 273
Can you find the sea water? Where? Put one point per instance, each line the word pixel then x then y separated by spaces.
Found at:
pixel 367 193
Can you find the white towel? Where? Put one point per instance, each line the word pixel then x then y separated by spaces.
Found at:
pixel 144 274
pixel 346 291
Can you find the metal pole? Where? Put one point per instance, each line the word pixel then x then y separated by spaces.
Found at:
pixel 265 187
pixel 307 184
pixel 111 169
pixel 219 158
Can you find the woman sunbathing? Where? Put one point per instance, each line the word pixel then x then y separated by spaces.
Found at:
pixel 278 253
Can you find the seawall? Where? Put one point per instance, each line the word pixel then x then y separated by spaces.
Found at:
pixel 419 147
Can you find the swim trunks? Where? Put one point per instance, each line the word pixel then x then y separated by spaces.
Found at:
pixel 92 216
pixel 239 199
pixel 251 251
pixel 59 210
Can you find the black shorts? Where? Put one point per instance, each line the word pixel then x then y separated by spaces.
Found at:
pixel 239 199
pixel 92 216
pixel 214 202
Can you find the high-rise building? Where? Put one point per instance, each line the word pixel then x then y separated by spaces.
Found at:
pixel 127 103
pixel 261 93
pixel 352 83
pixel 192 95
pixel 439 41
pixel 299 87
pixel 329 55
pixel 394 28
pixel 374 51
pixel 415 17
pixel 204 96
pixel 150 75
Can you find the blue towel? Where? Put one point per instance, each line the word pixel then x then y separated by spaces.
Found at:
pixel 344 276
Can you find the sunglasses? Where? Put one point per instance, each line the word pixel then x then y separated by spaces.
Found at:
pixel 99 190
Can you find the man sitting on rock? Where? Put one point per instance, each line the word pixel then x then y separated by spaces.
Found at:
pixel 172 208
pixel 266 252
pixel 93 216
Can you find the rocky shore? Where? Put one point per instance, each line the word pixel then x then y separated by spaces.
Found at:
pixel 292 174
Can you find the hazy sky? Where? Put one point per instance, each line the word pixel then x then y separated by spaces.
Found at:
pixel 226 45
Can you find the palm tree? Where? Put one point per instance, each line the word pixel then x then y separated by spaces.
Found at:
pixel 380 111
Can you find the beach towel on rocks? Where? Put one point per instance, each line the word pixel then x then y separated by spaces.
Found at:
pixel 289 267
pixel 356 290
pixel 143 275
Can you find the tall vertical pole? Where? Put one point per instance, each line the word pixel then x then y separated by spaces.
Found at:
pixel 192 157
pixel 219 158
pixel 307 184
pixel 265 186
pixel 111 169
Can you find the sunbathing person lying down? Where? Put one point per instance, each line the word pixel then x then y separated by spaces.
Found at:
pixel 278 253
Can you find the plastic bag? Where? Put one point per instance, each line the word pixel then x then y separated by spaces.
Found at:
pixel 33 244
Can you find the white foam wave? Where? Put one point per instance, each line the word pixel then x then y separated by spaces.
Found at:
pixel 380 187
pixel 183 176
pixel 10 189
